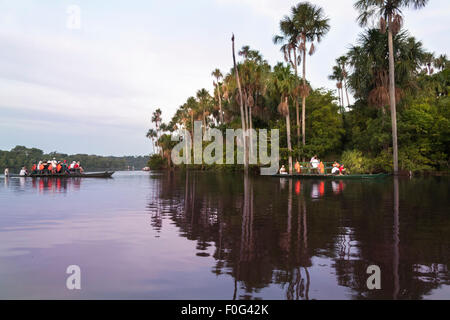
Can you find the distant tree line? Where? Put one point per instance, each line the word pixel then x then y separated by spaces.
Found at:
pixel 21 156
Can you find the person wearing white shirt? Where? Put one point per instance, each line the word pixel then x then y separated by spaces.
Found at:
pixel 23 172
pixel 6 172
pixel 315 162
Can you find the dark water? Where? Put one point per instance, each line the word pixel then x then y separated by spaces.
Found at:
pixel 210 236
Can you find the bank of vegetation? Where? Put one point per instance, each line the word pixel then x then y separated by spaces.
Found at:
pixel 399 118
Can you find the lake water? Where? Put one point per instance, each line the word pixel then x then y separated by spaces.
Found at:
pixel 204 235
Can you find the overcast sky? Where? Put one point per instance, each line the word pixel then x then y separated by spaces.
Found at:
pixel 92 89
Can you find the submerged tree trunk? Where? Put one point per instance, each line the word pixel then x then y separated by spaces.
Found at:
pixel 242 110
pixel 392 96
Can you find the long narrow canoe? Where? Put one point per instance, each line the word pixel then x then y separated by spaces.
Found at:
pixel 333 176
pixel 105 174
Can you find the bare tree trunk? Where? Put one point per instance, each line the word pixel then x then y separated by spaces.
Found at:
pixel 304 99
pixel 220 102
pixel 288 132
pixel 296 99
pixel 346 91
pixel 392 96
pixel 339 93
pixel 242 109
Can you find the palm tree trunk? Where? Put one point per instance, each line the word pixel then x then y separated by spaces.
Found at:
pixel 242 109
pixel 220 103
pixel 304 98
pixel 346 91
pixel 204 121
pixel 392 96
pixel 296 100
pixel 288 133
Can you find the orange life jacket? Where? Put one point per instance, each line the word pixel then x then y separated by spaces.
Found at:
pixel 50 167
pixel 41 167
pixel 58 167
pixel 33 167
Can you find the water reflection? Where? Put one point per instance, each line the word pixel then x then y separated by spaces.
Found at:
pixel 266 233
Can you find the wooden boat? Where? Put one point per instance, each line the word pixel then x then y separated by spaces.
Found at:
pixel 105 174
pixel 333 176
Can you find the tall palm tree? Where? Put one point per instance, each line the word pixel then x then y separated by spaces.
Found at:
pixel 218 75
pixel 156 118
pixel 389 12
pixel 204 100
pixel 284 84
pixel 342 61
pixel 290 52
pixel 309 24
pixel 151 134
pixel 337 75
pixel 241 104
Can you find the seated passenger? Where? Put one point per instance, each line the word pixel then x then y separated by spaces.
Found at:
pixel 298 167
pixel 23 172
pixel 335 169
pixel 283 170
pixel 79 167
pixel 341 170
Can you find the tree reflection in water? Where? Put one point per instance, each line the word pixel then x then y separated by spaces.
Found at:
pixel 268 231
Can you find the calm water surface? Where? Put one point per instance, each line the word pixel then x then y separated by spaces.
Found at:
pixel 210 236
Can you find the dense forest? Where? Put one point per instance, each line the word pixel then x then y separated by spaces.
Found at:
pixel 399 118
pixel 21 156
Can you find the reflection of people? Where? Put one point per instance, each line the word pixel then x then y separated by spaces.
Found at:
pixel 283 170
pixel 315 191
pixel 6 172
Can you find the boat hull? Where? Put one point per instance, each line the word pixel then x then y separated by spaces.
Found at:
pixel 105 174
pixel 332 176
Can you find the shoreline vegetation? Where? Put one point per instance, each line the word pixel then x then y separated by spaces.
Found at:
pixel 399 121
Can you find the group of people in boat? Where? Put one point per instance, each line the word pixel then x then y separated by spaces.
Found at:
pixel 50 167
pixel 316 166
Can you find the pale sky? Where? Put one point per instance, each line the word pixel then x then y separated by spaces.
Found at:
pixel 93 89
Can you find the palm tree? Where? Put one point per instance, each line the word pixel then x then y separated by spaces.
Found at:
pixel 309 25
pixel 290 52
pixel 389 12
pixel 156 118
pixel 284 84
pixel 338 76
pixel 151 134
pixel 204 100
pixel 241 104
pixel 441 62
pixel 342 61
pixel 218 75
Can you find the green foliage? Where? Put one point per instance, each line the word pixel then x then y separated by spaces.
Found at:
pixel 354 161
pixel 156 162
